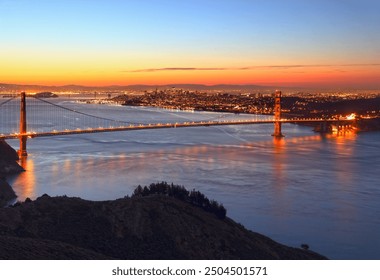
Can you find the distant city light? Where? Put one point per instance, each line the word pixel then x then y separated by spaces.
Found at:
pixel 352 116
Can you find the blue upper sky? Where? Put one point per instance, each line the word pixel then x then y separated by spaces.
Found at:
pixel 121 36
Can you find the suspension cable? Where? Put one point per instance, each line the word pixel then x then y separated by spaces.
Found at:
pixel 113 120
pixel 84 114
pixel 6 101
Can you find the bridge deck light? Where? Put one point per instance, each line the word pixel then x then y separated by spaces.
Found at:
pixel 352 116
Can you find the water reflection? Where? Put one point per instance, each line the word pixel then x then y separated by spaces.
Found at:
pixel 25 182
pixel 344 162
pixel 91 169
pixel 279 162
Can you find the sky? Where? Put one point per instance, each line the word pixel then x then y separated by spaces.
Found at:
pixel 314 43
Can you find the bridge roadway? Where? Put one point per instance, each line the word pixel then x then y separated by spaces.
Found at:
pixel 161 125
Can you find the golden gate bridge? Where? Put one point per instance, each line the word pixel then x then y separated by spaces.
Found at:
pixel 22 121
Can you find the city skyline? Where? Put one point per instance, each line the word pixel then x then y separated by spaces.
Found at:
pixel 101 43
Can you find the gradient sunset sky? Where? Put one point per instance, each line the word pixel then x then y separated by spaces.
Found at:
pixel 334 43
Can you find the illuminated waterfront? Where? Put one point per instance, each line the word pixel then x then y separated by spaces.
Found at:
pixel 305 188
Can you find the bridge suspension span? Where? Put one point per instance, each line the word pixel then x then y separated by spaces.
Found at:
pixel 23 119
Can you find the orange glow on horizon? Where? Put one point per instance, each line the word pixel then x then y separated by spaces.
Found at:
pixel 107 76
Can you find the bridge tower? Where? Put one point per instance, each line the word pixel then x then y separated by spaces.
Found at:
pixel 22 151
pixel 277 115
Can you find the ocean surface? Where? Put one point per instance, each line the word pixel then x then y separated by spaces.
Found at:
pixel 322 190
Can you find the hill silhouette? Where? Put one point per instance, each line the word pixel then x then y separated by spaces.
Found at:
pixel 140 227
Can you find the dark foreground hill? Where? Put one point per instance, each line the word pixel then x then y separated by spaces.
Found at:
pixel 141 227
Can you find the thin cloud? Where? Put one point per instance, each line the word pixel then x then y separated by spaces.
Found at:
pixel 177 69
pixel 249 67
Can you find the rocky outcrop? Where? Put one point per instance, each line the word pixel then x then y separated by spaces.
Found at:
pixel 8 165
pixel 8 158
pixel 151 227
pixel 6 193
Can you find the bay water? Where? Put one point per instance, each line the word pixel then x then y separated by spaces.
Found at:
pixel 322 190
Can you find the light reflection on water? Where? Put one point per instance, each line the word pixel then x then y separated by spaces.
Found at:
pixel 304 188
pixel 26 179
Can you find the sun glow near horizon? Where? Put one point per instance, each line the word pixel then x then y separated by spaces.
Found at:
pixel 105 77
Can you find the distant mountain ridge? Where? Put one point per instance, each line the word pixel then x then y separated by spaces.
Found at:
pixel 11 88
pixel 17 87
pixel 4 87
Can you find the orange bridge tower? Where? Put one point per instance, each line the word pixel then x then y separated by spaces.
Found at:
pixel 277 115
pixel 22 151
